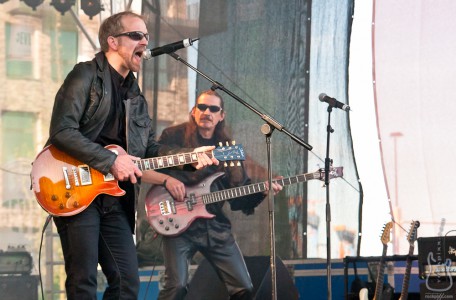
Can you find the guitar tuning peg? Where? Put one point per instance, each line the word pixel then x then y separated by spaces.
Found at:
pixel 225 164
pixel 227 143
pixel 233 143
pixel 238 164
pixel 220 144
pixel 231 164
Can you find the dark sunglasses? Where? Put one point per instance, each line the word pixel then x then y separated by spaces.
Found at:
pixel 212 108
pixel 134 35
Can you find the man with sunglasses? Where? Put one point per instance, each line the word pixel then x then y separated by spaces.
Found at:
pixel 211 237
pixel 100 103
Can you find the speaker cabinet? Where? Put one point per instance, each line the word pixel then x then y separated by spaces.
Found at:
pixel 437 290
pixel 19 287
pixel 206 284
pixel 435 255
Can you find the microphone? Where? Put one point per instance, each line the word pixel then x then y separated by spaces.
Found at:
pixel 149 53
pixel 333 102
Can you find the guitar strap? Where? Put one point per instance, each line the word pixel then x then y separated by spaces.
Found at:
pixel 371 275
pixel 357 283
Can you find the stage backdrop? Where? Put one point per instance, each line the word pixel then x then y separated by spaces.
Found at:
pixel 415 71
pixel 277 57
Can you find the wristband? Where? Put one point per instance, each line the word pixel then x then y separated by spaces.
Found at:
pixel 164 182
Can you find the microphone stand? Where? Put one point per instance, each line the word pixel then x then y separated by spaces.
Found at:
pixel 267 130
pixel 328 163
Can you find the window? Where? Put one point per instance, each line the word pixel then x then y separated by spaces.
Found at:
pixel 19 60
pixel 18 150
pixel 63 53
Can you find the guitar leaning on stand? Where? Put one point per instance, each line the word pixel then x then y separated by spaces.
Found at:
pixel 411 238
pixel 171 218
pixel 64 186
pixel 379 294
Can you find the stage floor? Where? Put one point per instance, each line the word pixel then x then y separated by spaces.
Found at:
pixel 309 276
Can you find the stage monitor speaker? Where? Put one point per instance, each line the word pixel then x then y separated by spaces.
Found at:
pixel 16 287
pixel 206 284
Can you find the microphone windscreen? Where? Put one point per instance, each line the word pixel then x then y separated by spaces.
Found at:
pixel 147 54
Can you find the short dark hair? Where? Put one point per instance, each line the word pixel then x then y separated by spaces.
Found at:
pixel 112 26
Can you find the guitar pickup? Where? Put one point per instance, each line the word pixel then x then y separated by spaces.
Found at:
pixel 167 207
pixel 189 203
pixel 85 175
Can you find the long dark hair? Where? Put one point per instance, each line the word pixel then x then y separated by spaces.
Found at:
pixel 220 134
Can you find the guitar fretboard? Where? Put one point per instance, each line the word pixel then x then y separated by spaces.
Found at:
pixel 255 188
pixel 381 272
pixel 167 161
pixel 408 268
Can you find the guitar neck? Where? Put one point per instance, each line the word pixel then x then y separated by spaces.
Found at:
pixel 255 188
pixel 381 272
pixel 408 268
pixel 168 161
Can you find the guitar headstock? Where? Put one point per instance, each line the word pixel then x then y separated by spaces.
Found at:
pixel 386 233
pixel 229 152
pixel 413 232
pixel 334 172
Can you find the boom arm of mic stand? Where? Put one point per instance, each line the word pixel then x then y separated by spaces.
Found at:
pixel 266 118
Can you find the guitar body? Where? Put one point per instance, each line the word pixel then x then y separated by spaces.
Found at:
pixel 171 218
pixel 363 294
pixel 64 186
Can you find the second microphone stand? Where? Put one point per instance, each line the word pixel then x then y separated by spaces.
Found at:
pixel 328 164
pixel 267 130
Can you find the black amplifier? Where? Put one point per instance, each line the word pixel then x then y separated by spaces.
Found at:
pixel 437 290
pixel 437 257
pixel 15 262
pixel 19 287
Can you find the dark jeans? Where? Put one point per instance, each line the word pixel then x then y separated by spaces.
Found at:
pixel 225 257
pixel 99 234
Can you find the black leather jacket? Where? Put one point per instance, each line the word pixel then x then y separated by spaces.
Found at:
pixel 81 107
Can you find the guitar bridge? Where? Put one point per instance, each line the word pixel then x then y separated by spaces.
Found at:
pixel 167 207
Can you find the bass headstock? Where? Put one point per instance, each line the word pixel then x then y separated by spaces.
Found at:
pixel 334 172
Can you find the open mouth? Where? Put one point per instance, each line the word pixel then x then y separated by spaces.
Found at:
pixel 139 54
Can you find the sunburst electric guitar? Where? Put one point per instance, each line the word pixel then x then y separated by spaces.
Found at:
pixel 64 186
pixel 411 238
pixel 170 218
